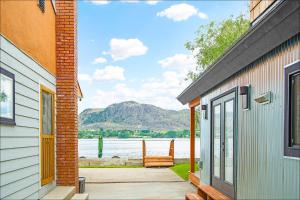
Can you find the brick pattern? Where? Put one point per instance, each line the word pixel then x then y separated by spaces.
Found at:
pixel 67 118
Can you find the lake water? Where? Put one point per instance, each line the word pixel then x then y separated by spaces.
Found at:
pixel 132 148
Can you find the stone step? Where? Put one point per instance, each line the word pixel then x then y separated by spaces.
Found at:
pixel 83 196
pixel 60 193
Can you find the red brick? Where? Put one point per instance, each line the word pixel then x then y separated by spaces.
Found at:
pixel 66 104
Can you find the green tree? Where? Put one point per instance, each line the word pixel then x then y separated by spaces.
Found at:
pixel 100 146
pixel 213 40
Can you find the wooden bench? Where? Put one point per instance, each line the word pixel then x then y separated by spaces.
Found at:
pixel 205 192
pixel 159 161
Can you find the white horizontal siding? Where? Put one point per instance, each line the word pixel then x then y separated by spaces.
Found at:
pixel 16 153
pixel 26 91
pixel 16 131
pixel 27 122
pixel 11 177
pixel 26 112
pixel 21 78
pixel 17 164
pixel 27 102
pixel 20 144
pixel 18 185
pixel 25 192
pixel 33 196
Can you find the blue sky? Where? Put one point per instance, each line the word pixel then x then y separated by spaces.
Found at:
pixel 134 50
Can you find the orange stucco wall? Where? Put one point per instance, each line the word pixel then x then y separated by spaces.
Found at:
pixel 31 30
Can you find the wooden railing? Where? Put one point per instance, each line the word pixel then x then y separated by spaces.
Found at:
pixel 47 158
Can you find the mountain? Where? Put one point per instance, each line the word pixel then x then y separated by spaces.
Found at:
pixel 131 115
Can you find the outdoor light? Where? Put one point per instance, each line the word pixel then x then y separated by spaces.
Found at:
pixel 264 98
pixel 245 93
pixel 204 109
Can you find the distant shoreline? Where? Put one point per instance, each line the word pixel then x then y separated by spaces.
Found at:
pixel 116 138
pixel 126 134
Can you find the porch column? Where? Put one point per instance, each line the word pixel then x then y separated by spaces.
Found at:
pixel 66 99
pixel 192 139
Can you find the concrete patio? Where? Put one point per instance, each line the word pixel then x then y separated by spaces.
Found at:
pixel 134 183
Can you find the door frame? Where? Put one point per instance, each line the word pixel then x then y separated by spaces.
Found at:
pixel 43 88
pixel 235 136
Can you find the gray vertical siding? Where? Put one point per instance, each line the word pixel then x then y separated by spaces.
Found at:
pixel 262 170
pixel 20 144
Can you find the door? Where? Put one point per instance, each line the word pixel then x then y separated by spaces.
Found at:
pixel 47 136
pixel 223 131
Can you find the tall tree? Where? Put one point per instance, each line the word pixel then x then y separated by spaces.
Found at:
pixel 213 40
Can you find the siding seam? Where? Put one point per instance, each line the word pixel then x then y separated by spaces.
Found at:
pixel 19 169
pixel 26 106
pixel 20 189
pixel 36 173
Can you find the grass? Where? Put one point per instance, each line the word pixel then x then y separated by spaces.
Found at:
pixel 182 170
pixel 113 166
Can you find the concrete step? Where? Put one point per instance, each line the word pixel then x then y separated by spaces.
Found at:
pixel 83 196
pixel 60 193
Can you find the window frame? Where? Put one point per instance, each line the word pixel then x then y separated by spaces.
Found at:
pixel 289 71
pixel 4 120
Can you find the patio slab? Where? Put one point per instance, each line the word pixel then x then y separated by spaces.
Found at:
pixel 128 175
pixel 141 191
pixel 134 183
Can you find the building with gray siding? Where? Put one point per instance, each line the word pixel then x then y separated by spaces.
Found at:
pixel 251 95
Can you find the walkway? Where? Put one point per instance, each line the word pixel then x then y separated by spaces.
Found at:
pixel 134 183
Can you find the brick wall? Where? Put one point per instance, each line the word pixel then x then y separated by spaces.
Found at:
pixel 66 63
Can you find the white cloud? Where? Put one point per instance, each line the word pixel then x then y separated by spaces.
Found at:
pixel 181 12
pixel 100 2
pixel 181 63
pixel 99 60
pixel 202 15
pixel 107 73
pixel 104 2
pixel 121 49
pixel 130 1
pixel 85 77
pixel 160 92
pixel 152 2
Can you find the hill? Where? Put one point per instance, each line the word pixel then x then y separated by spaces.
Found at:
pixel 131 115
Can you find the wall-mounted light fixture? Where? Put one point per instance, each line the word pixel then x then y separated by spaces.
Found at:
pixel 204 110
pixel 264 98
pixel 245 93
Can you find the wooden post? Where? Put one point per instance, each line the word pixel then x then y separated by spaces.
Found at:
pixel 171 150
pixel 192 140
pixel 144 151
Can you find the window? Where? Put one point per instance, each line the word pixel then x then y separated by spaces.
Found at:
pixel 292 110
pixel 47 112
pixel 7 97
pixel 42 5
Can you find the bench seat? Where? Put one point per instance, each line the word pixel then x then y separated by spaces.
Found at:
pixel 206 192
pixel 159 161
pixel 193 196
